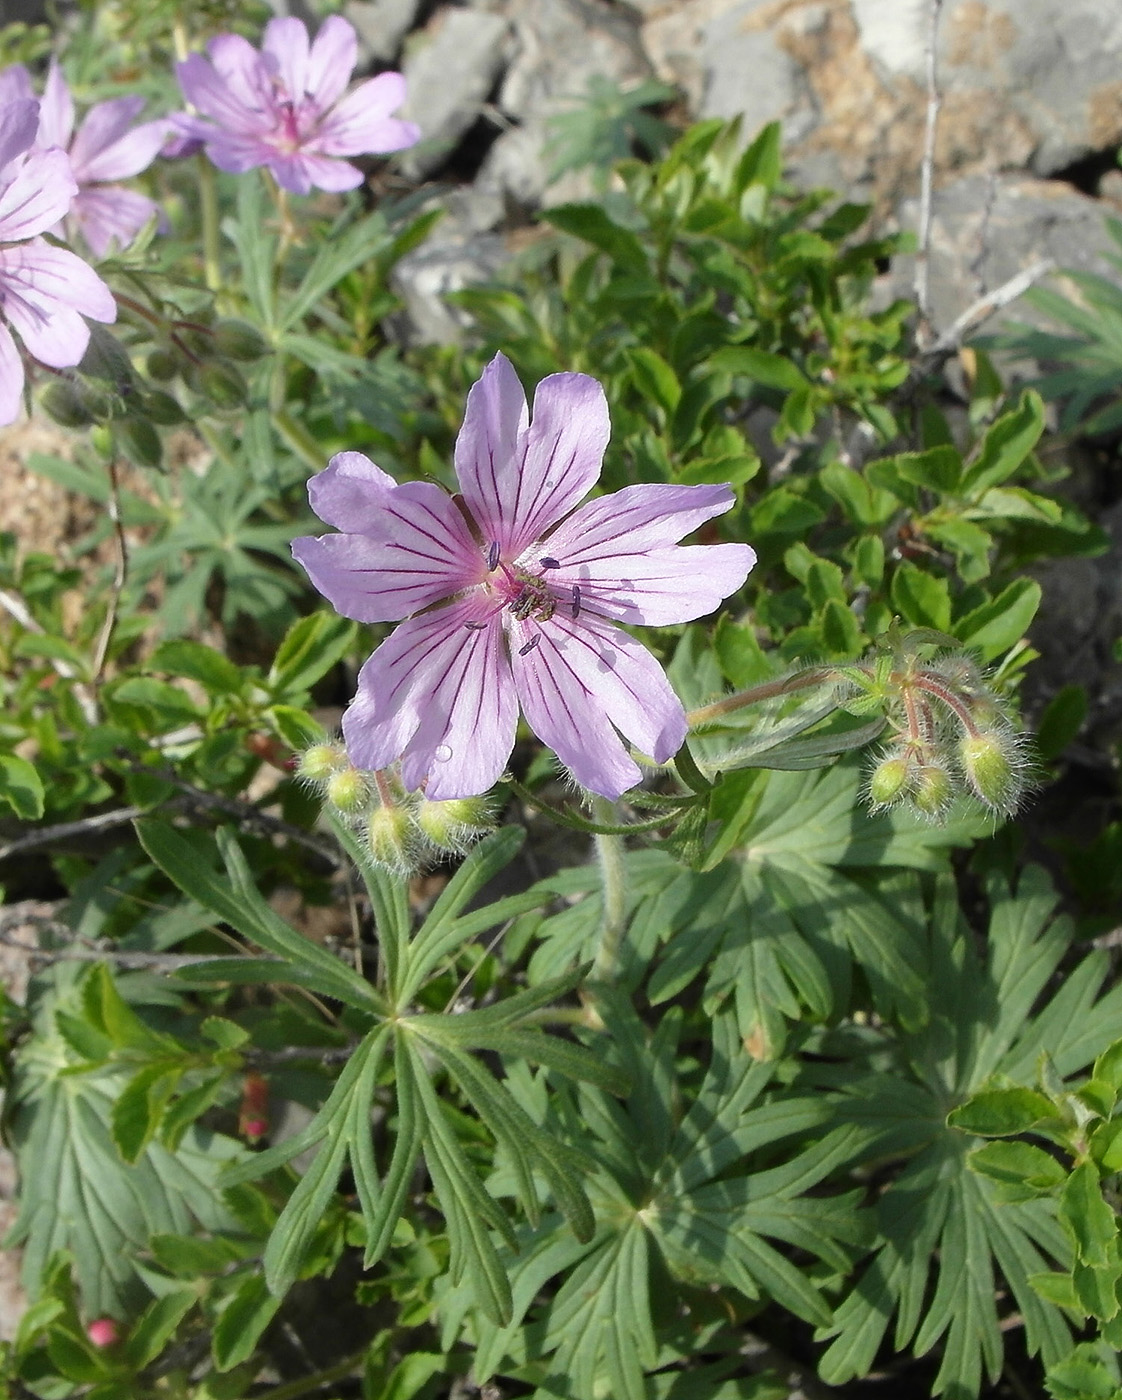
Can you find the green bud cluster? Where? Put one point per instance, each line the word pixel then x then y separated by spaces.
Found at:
pixel 951 736
pixel 399 831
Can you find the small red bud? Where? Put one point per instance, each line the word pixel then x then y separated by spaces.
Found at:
pixel 253 1117
pixel 103 1332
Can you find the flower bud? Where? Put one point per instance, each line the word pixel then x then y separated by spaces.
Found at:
pixel 65 403
pixel 103 1332
pixel 161 365
pixel 455 824
pixel 389 838
pixel 139 441
pixel 990 767
pixel 239 340
pixel 348 791
pixel 223 384
pixel 162 408
pixel 320 762
pixel 932 789
pixel 889 780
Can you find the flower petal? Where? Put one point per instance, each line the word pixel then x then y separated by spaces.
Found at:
pixel 15 85
pixel 37 196
pixel 56 110
pixel 438 695
pixel 518 481
pixel 109 214
pixel 582 678
pixel 361 124
pixel 11 378
pixel 285 51
pixel 230 97
pixel 619 551
pixel 300 172
pixel 331 61
pixel 106 149
pixel 45 292
pixel 406 546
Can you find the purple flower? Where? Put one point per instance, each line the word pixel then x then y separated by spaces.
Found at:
pixel 106 148
pixel 511 598
pixel 284 107
pixel 44 291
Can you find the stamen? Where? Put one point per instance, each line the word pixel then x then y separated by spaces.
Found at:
pixel 548 563
pixel 576 601
pixel 493 557
pixel 476 626
pixel 530 645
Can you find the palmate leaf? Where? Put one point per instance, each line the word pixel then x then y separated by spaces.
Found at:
pixel 946 1232
pixel 77 1194
pixel 664 1200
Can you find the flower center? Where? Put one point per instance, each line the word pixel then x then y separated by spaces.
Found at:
pixel 525 594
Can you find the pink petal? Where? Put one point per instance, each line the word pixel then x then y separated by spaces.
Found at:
pixel 247 77
pixel 19 121
pixel 350 491
pixel 331 61
pixel 11 378
pixel 285 49
pixel 584 680
pixel 38 195
pixel 106 149
pixel 15 84
pixel 517 484
pixel 45 292
pixel 219 96
pixel 109 214
pixel 237 153
pixel 56 110
pixel 407 545
pixel 301 172
pixel 619 551
pixel 439 696
pixel 361 124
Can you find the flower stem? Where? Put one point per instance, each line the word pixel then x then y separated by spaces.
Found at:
pixel 613 880
pixel 768 690
pixel 208 200
pixel 306 1384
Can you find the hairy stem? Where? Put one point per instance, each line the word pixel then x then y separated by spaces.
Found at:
pixel 768 690
pixel 613 878
pixel 208 203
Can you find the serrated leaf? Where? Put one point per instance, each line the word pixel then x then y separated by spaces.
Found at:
pixel 1001 1112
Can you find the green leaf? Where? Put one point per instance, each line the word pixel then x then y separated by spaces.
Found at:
pixel 921 598
pixel 1001 1112
pixel 245 1316
pixel 194 661
pixel 157 1325
pixel 654 378
pixel 21 787
pixel 761 366
pixel 1018 1165
pixel 241 905
pixel 139 1107
pixel 1006 445
pixel 997 625
pixel 937 469
pixel 1089 1218
pixel 591 223
pixel 1061 721
pixel 309 650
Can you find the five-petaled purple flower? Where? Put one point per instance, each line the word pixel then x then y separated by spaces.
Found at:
pixel 512 598
pixel 284 107
pixel 107 147
pixel 44 291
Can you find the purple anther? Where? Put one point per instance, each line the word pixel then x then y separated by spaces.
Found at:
pixel 548 563
pixel 493 557
pixel 476 626
pixel 576 601
pixel 530 645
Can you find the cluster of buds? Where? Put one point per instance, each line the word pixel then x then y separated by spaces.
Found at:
pixel 950 735
pixel 399 830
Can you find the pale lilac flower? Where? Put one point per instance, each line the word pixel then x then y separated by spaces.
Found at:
pixel 511 599
pixel 284 107
pixel 106 148
pixel 44 291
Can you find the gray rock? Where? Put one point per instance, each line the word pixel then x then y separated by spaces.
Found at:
pixel 450 72
pixel 983 232
pixel 1025 83
pixel 381 26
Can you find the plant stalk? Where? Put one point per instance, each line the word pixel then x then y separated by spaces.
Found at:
pixel 613 878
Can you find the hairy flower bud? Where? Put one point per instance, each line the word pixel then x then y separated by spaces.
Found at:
pixel 390 839
pixel 320 761
pixel 888 782
pixel 162 365
pixel 239 340
pixel 65 403
pixel 223 384
pixel 991 767
pixel 139 441
pixel 455 824
pixel 348 791
pixel 932 789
